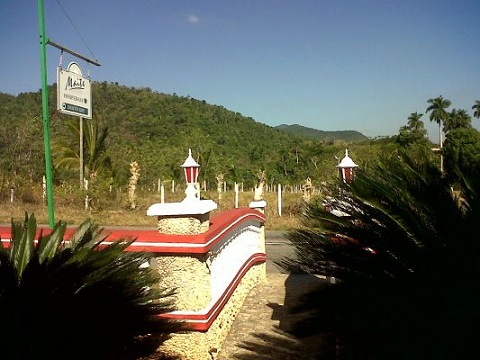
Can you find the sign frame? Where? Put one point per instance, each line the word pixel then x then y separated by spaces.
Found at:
pixel 74 92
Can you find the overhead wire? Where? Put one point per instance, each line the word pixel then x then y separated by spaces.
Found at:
pixel 76 29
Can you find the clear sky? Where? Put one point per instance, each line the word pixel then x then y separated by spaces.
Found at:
pixel 327 64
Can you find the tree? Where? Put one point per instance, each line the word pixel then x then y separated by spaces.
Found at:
pixel 476 108
pixel 457 119
pixel 96 158
pixel 438 113
pixel 462 154
pixel 413 133
pixel 79 299
pixel 414 122
pixel 404 259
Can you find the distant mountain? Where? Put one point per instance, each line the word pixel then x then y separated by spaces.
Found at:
pixel 306 132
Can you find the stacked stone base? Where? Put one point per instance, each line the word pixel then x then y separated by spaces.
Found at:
pixel 197 345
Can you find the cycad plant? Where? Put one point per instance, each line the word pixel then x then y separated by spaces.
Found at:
pixel 78 299
pixel 404 257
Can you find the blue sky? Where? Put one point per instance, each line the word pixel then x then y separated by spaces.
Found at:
pixel 327 64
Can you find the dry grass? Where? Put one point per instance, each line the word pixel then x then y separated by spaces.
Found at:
pixel 116 213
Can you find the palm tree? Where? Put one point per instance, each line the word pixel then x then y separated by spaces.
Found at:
pixel 457 119
pixel 438 113
pixel 476 108
pixel 414 122
pixel 413 133
pixel 95 149
pixel 404 260
pixel 79 299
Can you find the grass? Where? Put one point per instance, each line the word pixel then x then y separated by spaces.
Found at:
pixel 112 210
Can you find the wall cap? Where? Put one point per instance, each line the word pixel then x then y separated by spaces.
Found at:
pixel 257 204
pixel 182 208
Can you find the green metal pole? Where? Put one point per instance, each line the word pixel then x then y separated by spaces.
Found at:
pixel 46 122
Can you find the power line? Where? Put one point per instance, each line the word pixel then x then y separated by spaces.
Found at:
pixel 76 30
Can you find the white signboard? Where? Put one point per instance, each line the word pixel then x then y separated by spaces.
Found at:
pixel 74 93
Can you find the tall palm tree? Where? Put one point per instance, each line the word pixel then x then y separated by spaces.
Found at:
pixel 476 108
pixel 404 259
pixel 79 299
pixel 438 113
pixel 414 122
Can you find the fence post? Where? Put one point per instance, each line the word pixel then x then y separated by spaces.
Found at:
pixel 236 195
pixel 44 188
pixel 279 200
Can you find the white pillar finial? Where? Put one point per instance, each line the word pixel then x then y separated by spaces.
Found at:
pixel 346 152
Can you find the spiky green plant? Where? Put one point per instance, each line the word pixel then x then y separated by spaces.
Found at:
pixel 405 260
pixel 78 299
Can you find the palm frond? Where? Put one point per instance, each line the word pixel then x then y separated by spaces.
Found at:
pixel 403 256
pixel 79 299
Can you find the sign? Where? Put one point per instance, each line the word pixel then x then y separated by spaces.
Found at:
pixel 74 92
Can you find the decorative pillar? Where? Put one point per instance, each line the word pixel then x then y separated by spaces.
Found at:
pixel 189 274
pixel 212 266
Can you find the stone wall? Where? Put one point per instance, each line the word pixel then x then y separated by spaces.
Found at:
pixel 190 276
pixel 186 225
pixel 198 345
pixel 212 284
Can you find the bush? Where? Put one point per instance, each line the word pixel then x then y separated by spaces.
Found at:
pixel 405 260
pixel 78 299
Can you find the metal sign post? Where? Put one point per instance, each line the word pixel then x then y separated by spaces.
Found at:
pixel 74 97
pixel 46 121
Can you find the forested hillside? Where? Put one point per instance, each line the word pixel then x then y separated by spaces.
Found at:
pixel 156 130
pixel 328 136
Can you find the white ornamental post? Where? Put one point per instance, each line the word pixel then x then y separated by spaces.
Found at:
pixel 346 168
pixel 191 169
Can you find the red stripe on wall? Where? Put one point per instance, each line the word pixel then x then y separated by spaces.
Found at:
pixel 202 321
pixel 152 241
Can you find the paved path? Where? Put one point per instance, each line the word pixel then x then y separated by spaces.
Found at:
pixel 259 329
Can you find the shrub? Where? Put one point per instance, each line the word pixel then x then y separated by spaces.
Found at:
pixel 405 260
pixel 78 299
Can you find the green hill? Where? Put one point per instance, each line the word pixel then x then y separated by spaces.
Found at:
pixel 156 130
pixel 327 136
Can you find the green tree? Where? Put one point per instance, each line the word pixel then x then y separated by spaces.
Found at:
pixel 404 259
pixel 413 133
pixel 95 156
pixel 476 108
pixel 79 299
pixel 438 113
pixel 457 119
pixel 414 121
pixel 462 153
